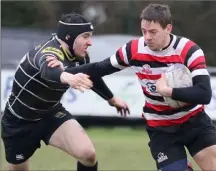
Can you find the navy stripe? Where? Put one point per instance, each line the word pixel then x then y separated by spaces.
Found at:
pixel 190 52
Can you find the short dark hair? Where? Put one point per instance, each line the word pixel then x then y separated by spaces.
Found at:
pixel 158 13
pixel 73 18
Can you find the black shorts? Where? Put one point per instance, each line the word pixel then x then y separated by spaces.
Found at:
pixel 195 134
pixel 22 138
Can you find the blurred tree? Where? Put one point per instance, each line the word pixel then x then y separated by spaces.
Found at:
pixel 192 19
pixel 15 13
pixel 69 6
pixel 43 14
pixel 47 14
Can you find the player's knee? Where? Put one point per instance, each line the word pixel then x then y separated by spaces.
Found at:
pixel 180 165
pixel 88 155
pixel 23 166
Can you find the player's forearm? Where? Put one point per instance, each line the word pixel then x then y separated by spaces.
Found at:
pixel 101 89
pixel 200 93
pixel 97 69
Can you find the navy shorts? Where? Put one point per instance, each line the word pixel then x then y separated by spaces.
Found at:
pixel 195 134
pixel 21 138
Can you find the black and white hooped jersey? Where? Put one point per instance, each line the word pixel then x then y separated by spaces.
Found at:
pixel 33 96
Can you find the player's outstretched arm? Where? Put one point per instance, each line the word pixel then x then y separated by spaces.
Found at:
pixel 78 81
pixel 100 88
pixel 115 63
pixel 96 69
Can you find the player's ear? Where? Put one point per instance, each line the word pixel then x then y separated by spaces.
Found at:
pixel 169 28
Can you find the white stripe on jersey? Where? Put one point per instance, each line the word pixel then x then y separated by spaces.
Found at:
pixel 40 50
pixel 194 56
pixel 174 40
pixel 125 54
pixel 18 116
pixel 155 102
pixel 145 50
pixel 27 55
pixel 150 116
pixel 32 108
pixel 33 93
pixel 115 63
pixel 46 78
pixel 141 42
pixel 23 87
pixel 62 90
pixel 197 72
pixel 47 54
pixel 181 45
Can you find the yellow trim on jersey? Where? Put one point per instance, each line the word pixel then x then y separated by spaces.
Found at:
pixel 54 50
pixel 68 54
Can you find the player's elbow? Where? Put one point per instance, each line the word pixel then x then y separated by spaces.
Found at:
pixel 206 96
pixel 204 92
pixel 52 74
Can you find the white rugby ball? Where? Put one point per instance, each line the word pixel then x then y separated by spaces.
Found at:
pixel 177 76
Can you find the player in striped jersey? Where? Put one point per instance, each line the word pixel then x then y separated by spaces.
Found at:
pixel 169 129
pixel 34 111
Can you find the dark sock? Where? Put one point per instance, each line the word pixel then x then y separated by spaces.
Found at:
pixel 81 167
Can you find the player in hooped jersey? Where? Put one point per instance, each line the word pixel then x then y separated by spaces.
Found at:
pixel 169 129
pixel 34 112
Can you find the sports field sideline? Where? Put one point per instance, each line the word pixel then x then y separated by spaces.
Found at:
pixel 117 149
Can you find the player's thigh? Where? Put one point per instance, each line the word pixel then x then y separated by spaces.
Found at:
pixel 20 138
pixel 203 146
pixel 206 158
pixel 167 151
pixel 68 135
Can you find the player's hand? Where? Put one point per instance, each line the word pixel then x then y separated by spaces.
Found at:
pixel 53 62
pixel 162 87
pixel 120 105
pixel 78 81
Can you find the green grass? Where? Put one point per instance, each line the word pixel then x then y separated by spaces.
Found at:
pixel 117 149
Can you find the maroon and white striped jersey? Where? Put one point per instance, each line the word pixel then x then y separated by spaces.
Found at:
pixel 149 65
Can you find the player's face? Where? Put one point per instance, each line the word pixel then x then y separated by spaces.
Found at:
pixel 155 36
pixel 81 44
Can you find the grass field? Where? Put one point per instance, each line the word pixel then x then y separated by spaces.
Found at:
pixel 117 149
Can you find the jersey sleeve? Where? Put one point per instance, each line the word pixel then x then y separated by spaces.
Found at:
pixel 99 86
pixel 48 73
pixel 118 61
pixel 121 59
pixel 40 56
pixel 194 59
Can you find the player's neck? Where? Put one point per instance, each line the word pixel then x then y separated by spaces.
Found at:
pixel 63 44
pixel 167 41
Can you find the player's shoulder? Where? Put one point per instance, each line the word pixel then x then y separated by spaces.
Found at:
pixel 180 43
pixel 50 48
pixel 133 44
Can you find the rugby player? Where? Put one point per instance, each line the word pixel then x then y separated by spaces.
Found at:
pixel 34 112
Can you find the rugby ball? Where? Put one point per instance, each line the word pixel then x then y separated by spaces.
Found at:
pixel 177 76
